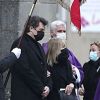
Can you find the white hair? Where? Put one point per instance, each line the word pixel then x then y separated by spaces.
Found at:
pixel 56 23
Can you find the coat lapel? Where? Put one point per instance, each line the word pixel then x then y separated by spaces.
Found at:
pixel 36 47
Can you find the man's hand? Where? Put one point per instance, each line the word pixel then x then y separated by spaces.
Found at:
pixel 46 91
pixel 17 52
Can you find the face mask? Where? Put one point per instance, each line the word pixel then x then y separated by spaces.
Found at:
pixel 61 35
pixel 39 35
pixel 93 56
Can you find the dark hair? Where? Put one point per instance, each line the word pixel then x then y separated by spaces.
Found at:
pixel 34 22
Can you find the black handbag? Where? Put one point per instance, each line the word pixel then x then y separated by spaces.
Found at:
pixel 64 96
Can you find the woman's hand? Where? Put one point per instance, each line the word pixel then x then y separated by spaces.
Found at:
pixel 69 88
pixel 48 74
pixel 46 91
pixel 81 91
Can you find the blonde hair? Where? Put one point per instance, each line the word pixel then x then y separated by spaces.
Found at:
pixel 54 49
pixel 97 44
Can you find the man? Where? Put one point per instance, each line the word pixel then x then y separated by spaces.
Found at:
pixel 6 63
pixel 29 79
pixel 58 30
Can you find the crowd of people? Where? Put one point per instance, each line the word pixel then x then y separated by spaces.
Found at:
pixel 39 72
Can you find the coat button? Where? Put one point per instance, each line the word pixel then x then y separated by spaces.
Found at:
pixel 41 63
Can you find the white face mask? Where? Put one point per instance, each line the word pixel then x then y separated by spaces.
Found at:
pixel 61 35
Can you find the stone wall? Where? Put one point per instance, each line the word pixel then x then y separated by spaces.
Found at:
pixel 9 13
pixel 13 15
pixel 8 24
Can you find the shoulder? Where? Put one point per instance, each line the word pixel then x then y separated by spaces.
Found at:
pixel 16 41
pixel 69 51
pixel 20 43
pixel 87 64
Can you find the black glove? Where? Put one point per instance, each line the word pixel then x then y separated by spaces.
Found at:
pixel 63 56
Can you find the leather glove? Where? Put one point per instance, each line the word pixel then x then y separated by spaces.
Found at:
pixel 17 52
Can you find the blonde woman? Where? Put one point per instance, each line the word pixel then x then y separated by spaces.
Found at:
pixel 60 68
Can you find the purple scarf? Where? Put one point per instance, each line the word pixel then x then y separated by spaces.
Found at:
pixel 97 93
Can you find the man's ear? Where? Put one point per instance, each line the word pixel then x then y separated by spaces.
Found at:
pixel 52 34
pixel 31 27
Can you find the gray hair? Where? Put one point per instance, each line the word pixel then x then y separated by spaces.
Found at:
pixel 56 23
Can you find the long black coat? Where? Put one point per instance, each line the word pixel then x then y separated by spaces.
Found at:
pixel 91 78
pixel 5 63
pixel 29 75
pixel 61 73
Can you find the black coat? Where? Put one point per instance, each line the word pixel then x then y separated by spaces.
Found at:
pixel 29 75
pixel 5 63
pixel 61 73
pixel 91 78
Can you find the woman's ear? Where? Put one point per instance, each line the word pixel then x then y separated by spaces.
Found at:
pixel 99 53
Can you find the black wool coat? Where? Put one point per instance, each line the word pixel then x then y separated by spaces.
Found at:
pixel 91 78
pixel 5 63
pixel 61 74
pixel 29 75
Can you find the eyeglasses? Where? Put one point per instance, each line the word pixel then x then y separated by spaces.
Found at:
pixel 61 31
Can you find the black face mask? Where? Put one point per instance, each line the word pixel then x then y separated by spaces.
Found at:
pixel 39 36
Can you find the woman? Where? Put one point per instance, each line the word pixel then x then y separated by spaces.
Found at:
pixel 60 68
pixel 92 72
